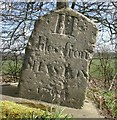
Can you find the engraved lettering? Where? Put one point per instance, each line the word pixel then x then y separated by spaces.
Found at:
pixel 84 73
pixel 68 71
pixel 35 66
pixel 38 90
pixel 68 50
pixel 60 70
pixel 75 73
pixel 31 62
pixel 76 53
pixel 64 25
pixel 42 43
pixel 43 67
pixel 50 49
pixel 51 70
pixel 69 21
pixel 71 53
pixel 82 54
pixel 57 58
pixel 60 24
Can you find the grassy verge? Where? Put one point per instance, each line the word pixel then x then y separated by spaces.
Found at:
pixel 97 92
pixel 105 100
pixel 95 70
pixel 10 67
pixel 13 110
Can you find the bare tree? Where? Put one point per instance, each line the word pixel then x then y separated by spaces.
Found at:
pixel 22 15
pixel 115 25
pixel 18 20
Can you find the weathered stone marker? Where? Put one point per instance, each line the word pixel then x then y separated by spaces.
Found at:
pixel 55 67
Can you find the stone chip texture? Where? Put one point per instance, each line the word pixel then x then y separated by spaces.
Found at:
pixel 55 67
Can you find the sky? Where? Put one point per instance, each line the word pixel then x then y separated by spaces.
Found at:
pixel 55 0
pixel 99 42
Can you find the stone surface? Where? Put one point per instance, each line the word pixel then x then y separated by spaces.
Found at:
pixel 88 110
pixel 55 67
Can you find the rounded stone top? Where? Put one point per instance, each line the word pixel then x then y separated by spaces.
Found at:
pixel 71 12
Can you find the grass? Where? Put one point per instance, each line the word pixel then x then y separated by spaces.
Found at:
pixel 106 98
pixel 11 110
pixel 11 67
pixel 110 101
pixel 95 70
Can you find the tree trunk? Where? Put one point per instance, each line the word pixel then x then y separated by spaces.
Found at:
pixel 73 4
pixel 61 4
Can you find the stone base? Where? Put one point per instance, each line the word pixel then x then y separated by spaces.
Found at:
pixel 87 111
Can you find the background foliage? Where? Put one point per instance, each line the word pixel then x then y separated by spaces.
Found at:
pixel 18 20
